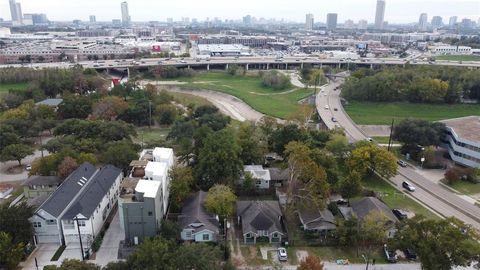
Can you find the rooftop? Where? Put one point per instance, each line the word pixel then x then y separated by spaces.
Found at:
pixel 148 188
pixel 54 102
pixel 38 180
pixel 466 127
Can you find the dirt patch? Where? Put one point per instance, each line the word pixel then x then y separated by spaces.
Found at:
pixel 18 169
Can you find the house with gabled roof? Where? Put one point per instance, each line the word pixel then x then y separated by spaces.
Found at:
pixel 196 222
pixel 261 219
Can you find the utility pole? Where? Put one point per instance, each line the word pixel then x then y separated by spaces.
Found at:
pixel 150 114
pixel 390 138
pixel 80 238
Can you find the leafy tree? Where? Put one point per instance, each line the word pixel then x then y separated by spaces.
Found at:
pixel 282 136
pixel 276 80
pixel 337 144
pixel 170 230
pixel 348 232
pixel 373 231
pixel 109 108
pixel 215 121
pixel 73 264
pixel 311 262
pixel 372 157
pixel 15 152
pixel 167 114
pixel 414 132
pixel 248 182
pixel 218 160
pixel 15 222
pixel 11 253
pixel 87 157
pixel 326 160
pixel 8 136
pixel 66 167
pixel 302 115
pixel 220 200
pixel 153 253
pixel 75 107
pixel 351 185
pixel 181 185
pixel 120 154
pixel 118 265
pixel 203 110
pixel 199 256
pixel 440 244
pixel 316 77
pixel 251 144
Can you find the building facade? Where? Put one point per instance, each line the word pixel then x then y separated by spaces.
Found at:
pixel 332 21
pixel 380 14
pixel 309 21
pixel 462 140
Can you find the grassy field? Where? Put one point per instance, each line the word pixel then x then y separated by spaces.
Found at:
pixel 331 254
pixel 5 87
pixel 458 57
pixel 371 113
pixel 248 88
pixel 393 198
pixel 384 140
pixel 186 99
pixel 466 187
pixel 149 136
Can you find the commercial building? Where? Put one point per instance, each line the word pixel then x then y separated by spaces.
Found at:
pixel 380 14
pixel 13 10
pixel 80 205
pixel 423 22
pixel 309 21
pixel 362 24
pixel 449 49
pixel 348 24
pixel 223 49
pixel 462 140
pixel 250 41
pixel 125 14
pixel 452 21
pixel 92 19
pixel 437 22
pixel 332 21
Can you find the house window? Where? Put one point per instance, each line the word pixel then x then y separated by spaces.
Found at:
pixel 259 182
pixel 206 237
pixel 81 223
pixel 37 224
pixel 51 222
pixel 188 234
pixel 265 233
pixel 150 213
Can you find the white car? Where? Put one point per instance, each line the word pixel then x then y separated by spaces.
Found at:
pixel 282 254
pixel 326 107
pixel 408 186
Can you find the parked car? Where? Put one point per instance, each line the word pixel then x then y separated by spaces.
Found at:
pixel 390 255
pixel 326 107
pixel 28 167
pixel 335 109
pixel 408 186
pixel 402 163
pixel 410 254
pixel 399 214
pixel 334 119
pixel 282 254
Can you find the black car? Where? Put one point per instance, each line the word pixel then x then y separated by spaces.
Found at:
pixel 410 254
pixel 399 214
pixel 390 255
pixel 334 119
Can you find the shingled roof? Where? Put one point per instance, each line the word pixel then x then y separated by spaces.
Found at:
pixel 260 215
pixel 194 212
pixel 367 205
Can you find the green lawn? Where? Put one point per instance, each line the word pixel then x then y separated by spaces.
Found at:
pixel 249 89
pixel 149 136
pixel 466 187
pixel 394 198
pixel 187 99
pixel 371 113
pixel 331 254
pixel 5 87
pixel 384 140
pixel 458 57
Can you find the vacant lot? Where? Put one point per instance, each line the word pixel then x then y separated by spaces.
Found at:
pixel 458 57
pixel 372 113
pixel 5 87
pixel 248 88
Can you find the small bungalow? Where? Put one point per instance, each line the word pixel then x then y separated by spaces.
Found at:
pixel 260 219
pixel 38 185
pixel 315 220
pixel 362 208
pixel 196 222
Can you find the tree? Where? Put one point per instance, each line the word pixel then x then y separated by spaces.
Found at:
pixel 120 154
pixel 251 144
pixel 8 136
pixel 215 121
pixel 282 136
pixel 348 232
pixel 303 114
pixel 15 222
pixel 181 185
pixel 15 152
pixel 440 244
pixel 373 231
pixel 311 262
pixel 11 253
pixel 198 256
pixel 66 167
pixel 109 108
pixel 218 160
pixel 351 185
pixel 372 157
pixel 337 144
pixel 153 253
pixel 415 132
pixel 220 200
pixel 316 77
pixel 167 113
pixel 275 80
pixel 75 107
pixel 73 264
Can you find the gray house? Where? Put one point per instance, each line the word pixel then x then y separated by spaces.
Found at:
pixel 260 219
pixel 315 220
pixel 362 208
pixel 196 222
pixel 38 185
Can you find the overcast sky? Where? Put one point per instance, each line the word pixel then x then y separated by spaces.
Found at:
pixel 397 11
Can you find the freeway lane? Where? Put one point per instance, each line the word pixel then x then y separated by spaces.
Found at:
pixel 431 194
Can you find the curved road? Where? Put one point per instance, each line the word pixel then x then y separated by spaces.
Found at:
pixel 429 193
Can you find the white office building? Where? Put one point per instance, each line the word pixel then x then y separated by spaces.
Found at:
pixel 423 22
pixel 125 14
pixel 309 21
pixel 380 14
pixel 462 140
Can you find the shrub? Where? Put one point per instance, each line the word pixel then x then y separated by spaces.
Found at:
pixel 452 176
pixel 275 80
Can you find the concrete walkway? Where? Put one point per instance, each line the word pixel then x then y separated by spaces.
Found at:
pixel 108 251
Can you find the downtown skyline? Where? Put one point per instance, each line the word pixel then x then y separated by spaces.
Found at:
pixel 143 10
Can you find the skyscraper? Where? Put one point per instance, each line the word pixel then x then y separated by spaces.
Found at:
pixel 92 19
pixel 125 15
pixel 437 22
pixel 452 21
pixel 309 21
pixel 348 24
pixel 13 10
pixel 362 24
pixel 423 22
pixel 18 10
pixel 380 14
pixel 247 19
pixel 332 21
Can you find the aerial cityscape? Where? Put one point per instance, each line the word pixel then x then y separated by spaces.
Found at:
pixel 269 135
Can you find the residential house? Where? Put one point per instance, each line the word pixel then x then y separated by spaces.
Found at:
pixel 315 220
pixel 140 209
pixel 158 169
pixel 82 202
pixel 266 177
pixel 38 185
pixel 196 222
pixel 362 208
pixel 5 190
pixel 52 102
pixel 261 219
pixel 278 177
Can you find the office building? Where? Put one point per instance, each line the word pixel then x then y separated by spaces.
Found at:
pixel 247 19
pixel 467 23
pixel 423 22
pixel 462 140
pixel 380 14
pixel 437 22
pixel 452 21
pixel 332 21
pixel 125 14
pixel 13 10
pixel 362 24
pixel 92 19
pixel 309 21
pixel 349 24
pixel 18 10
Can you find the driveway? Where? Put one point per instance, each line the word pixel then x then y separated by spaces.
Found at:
pixel 43 253
pixel 108 251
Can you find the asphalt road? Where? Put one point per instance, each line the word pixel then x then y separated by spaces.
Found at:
pixel 427 192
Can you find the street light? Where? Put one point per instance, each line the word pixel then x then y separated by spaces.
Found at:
pixel 226 226
pixel 366 261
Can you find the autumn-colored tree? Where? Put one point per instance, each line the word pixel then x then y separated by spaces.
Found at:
pixel 66 167
pixel 372 157
pixel 311 262
pixel 108 108
pixel 220 200
pixel 302 115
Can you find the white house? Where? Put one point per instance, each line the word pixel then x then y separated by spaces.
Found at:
pixel 84 200
pixel 260 175
pixel 158 169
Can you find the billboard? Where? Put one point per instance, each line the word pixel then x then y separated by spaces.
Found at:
pixel 156 48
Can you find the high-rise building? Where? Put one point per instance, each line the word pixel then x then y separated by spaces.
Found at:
pixel 309 21
pixel 92 19
pixel 437 22
pixel 18 10
pixel 13 10
pixel 467 23
pixel 423 22
pixel 247 19
pixel 362 24
pixel 332 21
pixel 125 14
pixel 35 19
pixel 452 21
pixel 380 14
pixel 349 24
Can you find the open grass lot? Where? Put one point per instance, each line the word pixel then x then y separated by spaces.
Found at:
pixel 248 88
pixel 186 99
pixel 372 113
pixel 331 254
pixel 150 135
pixel 466 187
pixel 384 140
pixel 458 57
pixel 5 87
pixel 393 198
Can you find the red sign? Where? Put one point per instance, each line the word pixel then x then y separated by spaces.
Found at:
pixel 115 82
pixel 156 48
